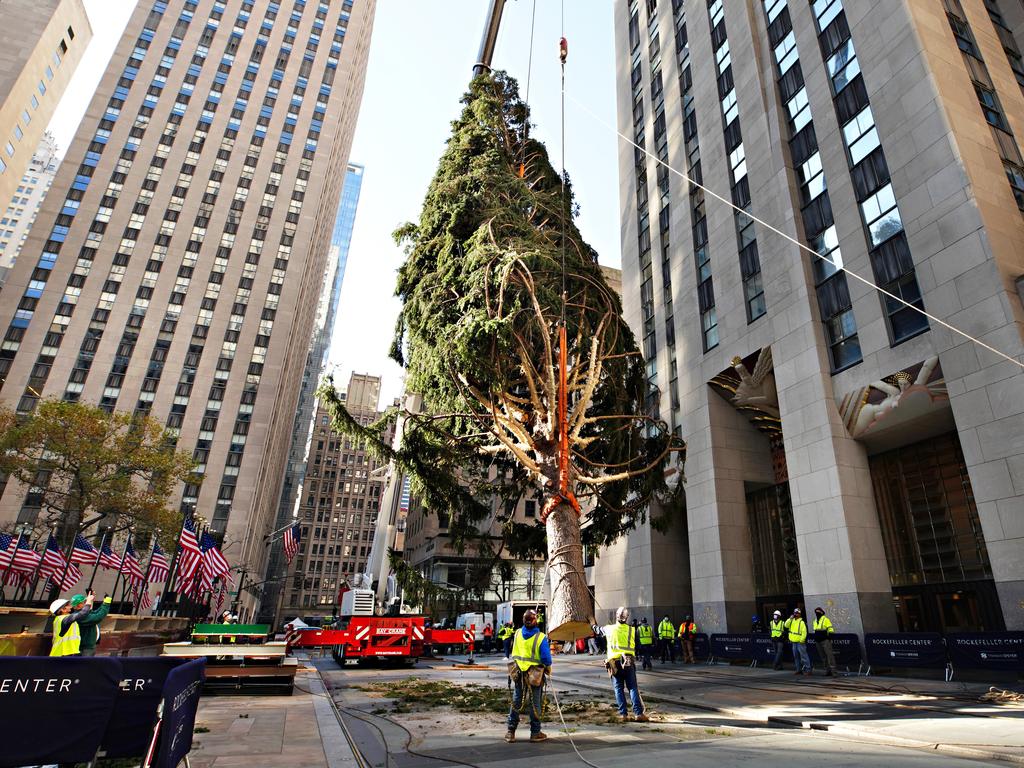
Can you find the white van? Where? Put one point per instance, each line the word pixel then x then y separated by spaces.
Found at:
pixel 480 620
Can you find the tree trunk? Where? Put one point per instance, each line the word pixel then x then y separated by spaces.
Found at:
pixel 570 612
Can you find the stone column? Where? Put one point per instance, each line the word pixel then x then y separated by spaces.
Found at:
pixel 842 559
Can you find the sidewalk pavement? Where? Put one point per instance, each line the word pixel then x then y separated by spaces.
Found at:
pixel 947 717
pixel 298 731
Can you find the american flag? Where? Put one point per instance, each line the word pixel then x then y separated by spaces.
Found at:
pixel 144 600
pixel 54 565
pixel 292 537
pixel 25 559
pixel 83 551
pixel 221 596
pixel 108 559
pixel 158 565
pixel 189 557
pixel 7 547
pixel 214 563
pixel 130 568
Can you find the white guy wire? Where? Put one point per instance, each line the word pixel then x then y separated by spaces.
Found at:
pixel 796 242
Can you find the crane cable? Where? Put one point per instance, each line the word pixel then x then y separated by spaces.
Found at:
pixel 526 119
pixel 840 267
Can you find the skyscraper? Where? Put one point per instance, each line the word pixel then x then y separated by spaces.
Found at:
pixel 844 449
pixel 338 508
pixel 43 41
pixel 177 262
pixel 28 196
pixel 319 346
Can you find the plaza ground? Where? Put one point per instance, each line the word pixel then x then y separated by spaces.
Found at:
pixel 701 715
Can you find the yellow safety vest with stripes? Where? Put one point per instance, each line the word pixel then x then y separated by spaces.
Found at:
pixel 526 651
pixel 646 634
pixel 621 641
pixel 667 630
pixel 68 645
pixel 776 628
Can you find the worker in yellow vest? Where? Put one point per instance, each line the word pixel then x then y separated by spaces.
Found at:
pixel 67 637
pixel 775 629
pixel 645 637
pixel 667 639
pixel 621 665
pixel 796 631
pixel 823 631
pixel 687 633
pixel 505 636
pixel 528 667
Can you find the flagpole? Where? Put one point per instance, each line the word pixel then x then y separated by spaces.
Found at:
pixel 29 591
pixel 67 562
pixel 53 536
pixel 120 568
pixel 172 574
pixel 149 568
pixel 195 576
pixel 7 570
pixel 99 554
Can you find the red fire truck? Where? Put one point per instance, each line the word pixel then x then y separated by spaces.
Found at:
pixel 402 639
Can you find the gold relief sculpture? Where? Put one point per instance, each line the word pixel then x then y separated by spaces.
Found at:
pixel 752 391
pixel 913 391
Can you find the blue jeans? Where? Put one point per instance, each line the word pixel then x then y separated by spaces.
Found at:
pixel 801 658
pixel 533 707
pixel 779 648
pixel 627 679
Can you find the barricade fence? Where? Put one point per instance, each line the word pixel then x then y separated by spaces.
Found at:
pixel 102 706
pixel 997 651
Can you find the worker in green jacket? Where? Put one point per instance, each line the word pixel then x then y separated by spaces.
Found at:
pixel 90 625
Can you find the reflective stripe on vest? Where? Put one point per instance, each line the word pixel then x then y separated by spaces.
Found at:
pixel 797 630
pixel 823 624
pixel 621 642
pixel 688 628
pixel 68 645
pixel 666 630
pixel 526 651
pixel 646 634
pixel 776 628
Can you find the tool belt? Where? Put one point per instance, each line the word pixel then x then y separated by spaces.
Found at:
pixel 534 676
pixel 615 667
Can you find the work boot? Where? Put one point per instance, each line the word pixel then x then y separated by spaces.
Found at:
pixel 540 736
pixel 643 718
pixel 829 674
pixel 510 737
pixel 798 672
pixel 625 718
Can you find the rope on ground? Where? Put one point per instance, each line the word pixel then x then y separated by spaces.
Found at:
pixel 568 733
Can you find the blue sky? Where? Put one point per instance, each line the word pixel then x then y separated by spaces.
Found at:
pixel 421 60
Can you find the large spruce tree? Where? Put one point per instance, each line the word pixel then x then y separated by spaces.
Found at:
pixel 484 292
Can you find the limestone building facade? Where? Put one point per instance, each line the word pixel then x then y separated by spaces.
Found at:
pixel 43 42
pixel 175 266
pixel 338 507
pixel 844 449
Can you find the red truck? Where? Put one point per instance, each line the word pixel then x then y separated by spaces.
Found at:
pixel 400 638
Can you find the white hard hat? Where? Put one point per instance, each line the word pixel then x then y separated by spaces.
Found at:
pixel 778 613
pixel 57 604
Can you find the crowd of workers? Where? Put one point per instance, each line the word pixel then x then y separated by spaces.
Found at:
pixel 528 654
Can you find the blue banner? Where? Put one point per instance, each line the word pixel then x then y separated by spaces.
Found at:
pixel 763 648
pixel 131 725
pixel 701 646
pixel 55 710
pixel 182 688
pixel 905 649
pixel 987 650
pixel 845 647
pixel 732 646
